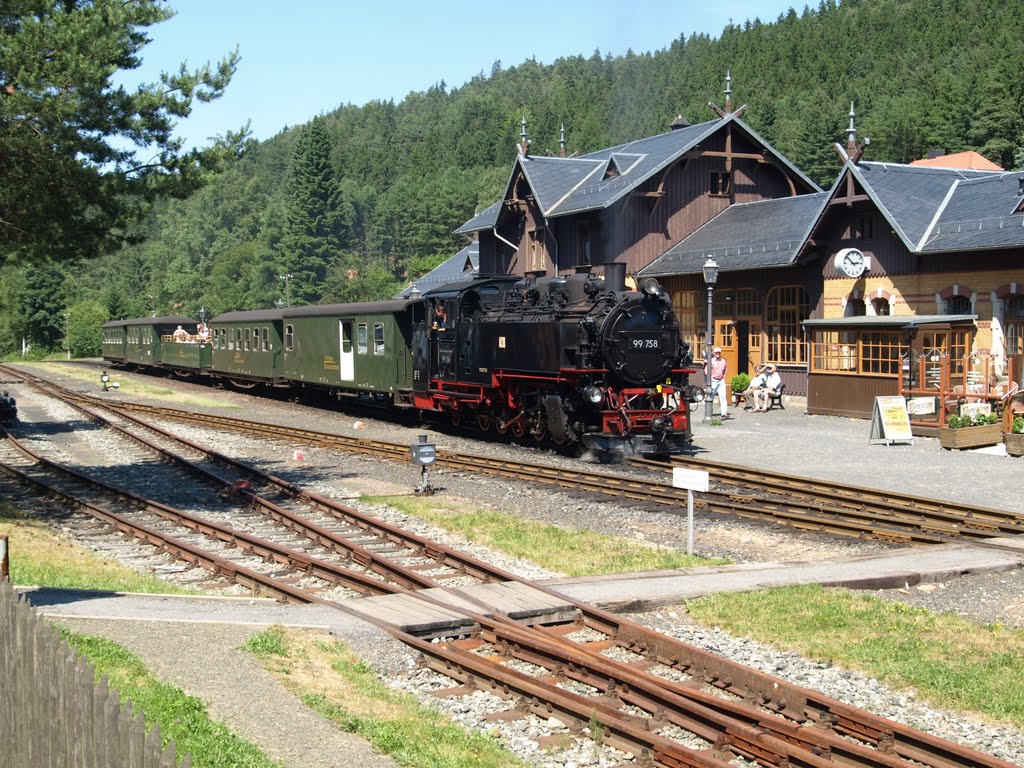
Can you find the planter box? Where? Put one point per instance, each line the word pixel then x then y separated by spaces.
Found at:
pixel 970 437
pixel 1014 443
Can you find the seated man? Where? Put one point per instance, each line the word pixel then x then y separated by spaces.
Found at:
pixel 180 334
pixel 750 393
pixel 771 387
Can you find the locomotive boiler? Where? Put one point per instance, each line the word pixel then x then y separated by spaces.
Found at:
pixel 578 360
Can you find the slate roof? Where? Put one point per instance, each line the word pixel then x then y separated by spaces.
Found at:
pixel 767 233
pixel 980 213
pixel 909 196
pixel 563 186
pixel 464 264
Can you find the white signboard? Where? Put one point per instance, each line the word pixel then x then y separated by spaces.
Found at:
pixel 922 406
pixel 890 421
pixel 690 479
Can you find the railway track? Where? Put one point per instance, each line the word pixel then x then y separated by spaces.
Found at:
pixel 790 500
pixel 664 701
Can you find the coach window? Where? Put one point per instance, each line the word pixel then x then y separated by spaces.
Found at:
pixel 361 339
pixel 378 338
pixel 289 337
pixel 247 337
pixel 265 339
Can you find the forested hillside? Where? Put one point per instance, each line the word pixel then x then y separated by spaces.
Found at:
pixel 357 201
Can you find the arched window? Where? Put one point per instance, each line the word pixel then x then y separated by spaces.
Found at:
pixel 957 305
pixel 855 308
pixel 785 311
pixel 1013 324
pixel 881 307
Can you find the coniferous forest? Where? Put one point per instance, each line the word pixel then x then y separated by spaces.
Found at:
pixel 355 203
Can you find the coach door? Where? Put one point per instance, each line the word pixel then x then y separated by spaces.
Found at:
pixel 346 358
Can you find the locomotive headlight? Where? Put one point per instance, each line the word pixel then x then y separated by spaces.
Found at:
pixel 593 394
pixel 695 394
pixel 650 286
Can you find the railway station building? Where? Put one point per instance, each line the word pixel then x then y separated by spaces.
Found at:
pixel 851 292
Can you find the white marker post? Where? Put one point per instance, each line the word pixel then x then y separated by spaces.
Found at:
pixel 692 480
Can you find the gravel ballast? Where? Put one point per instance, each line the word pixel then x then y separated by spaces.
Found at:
pixel 787 440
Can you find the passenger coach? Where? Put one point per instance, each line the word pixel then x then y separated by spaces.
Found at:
pixel 354 349
pixel 139 341
pixel 247 347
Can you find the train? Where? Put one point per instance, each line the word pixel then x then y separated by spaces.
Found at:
pixel 582 361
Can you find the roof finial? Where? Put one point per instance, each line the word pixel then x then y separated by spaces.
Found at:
pixel 728 92
pixel 561 142
pixel 851 133
pixel 524 142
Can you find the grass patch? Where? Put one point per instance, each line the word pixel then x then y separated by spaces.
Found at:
pixel 41 556
pixel 950 661
pixel 336 684
pixel 181 717
pixel 133 387
pixel 573 552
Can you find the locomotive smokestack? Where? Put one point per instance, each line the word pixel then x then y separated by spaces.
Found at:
pixel 614 276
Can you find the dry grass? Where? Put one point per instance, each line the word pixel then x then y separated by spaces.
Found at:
pixel 133 387
pixel 332 680
pixel 574 552
pixel 950 661
pixel 41 556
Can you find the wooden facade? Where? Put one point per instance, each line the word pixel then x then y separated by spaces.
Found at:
pixel 729 167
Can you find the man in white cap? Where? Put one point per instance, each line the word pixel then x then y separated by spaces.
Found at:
pixel 718 370
pixel 771 387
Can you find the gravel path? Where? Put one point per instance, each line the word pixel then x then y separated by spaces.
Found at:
pixel 204 660
pixel 784 440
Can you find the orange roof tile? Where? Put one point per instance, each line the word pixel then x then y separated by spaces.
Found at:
pixel 969 159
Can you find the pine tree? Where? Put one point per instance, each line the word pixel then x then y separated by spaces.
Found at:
pixel 317 216
pixel 70 178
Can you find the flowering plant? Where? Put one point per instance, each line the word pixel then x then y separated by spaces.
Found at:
pixel 977 420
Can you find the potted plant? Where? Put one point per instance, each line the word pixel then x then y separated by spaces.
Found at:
pixel 737 385
pixel 969 431
pixel 1014 439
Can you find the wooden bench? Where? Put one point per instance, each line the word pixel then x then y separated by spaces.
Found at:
pixel 776 399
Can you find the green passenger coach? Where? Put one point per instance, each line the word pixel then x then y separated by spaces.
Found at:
pixel 247 346
pixel 139 341
pixel 354 349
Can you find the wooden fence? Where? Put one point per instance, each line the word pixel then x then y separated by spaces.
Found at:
pixel 53 714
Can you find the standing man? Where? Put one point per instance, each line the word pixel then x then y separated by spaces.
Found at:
pixel 718 389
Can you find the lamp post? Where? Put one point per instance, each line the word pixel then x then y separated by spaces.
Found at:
pixel 710 270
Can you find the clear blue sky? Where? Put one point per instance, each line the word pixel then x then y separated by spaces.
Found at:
pixel 306 57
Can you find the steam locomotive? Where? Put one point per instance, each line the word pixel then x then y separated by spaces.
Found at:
pixel 579 361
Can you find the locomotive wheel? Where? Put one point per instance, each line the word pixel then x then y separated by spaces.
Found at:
pixel 518 427
pixel 503 422
pixel 538 429
pixel 456 419
pixel 485 421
